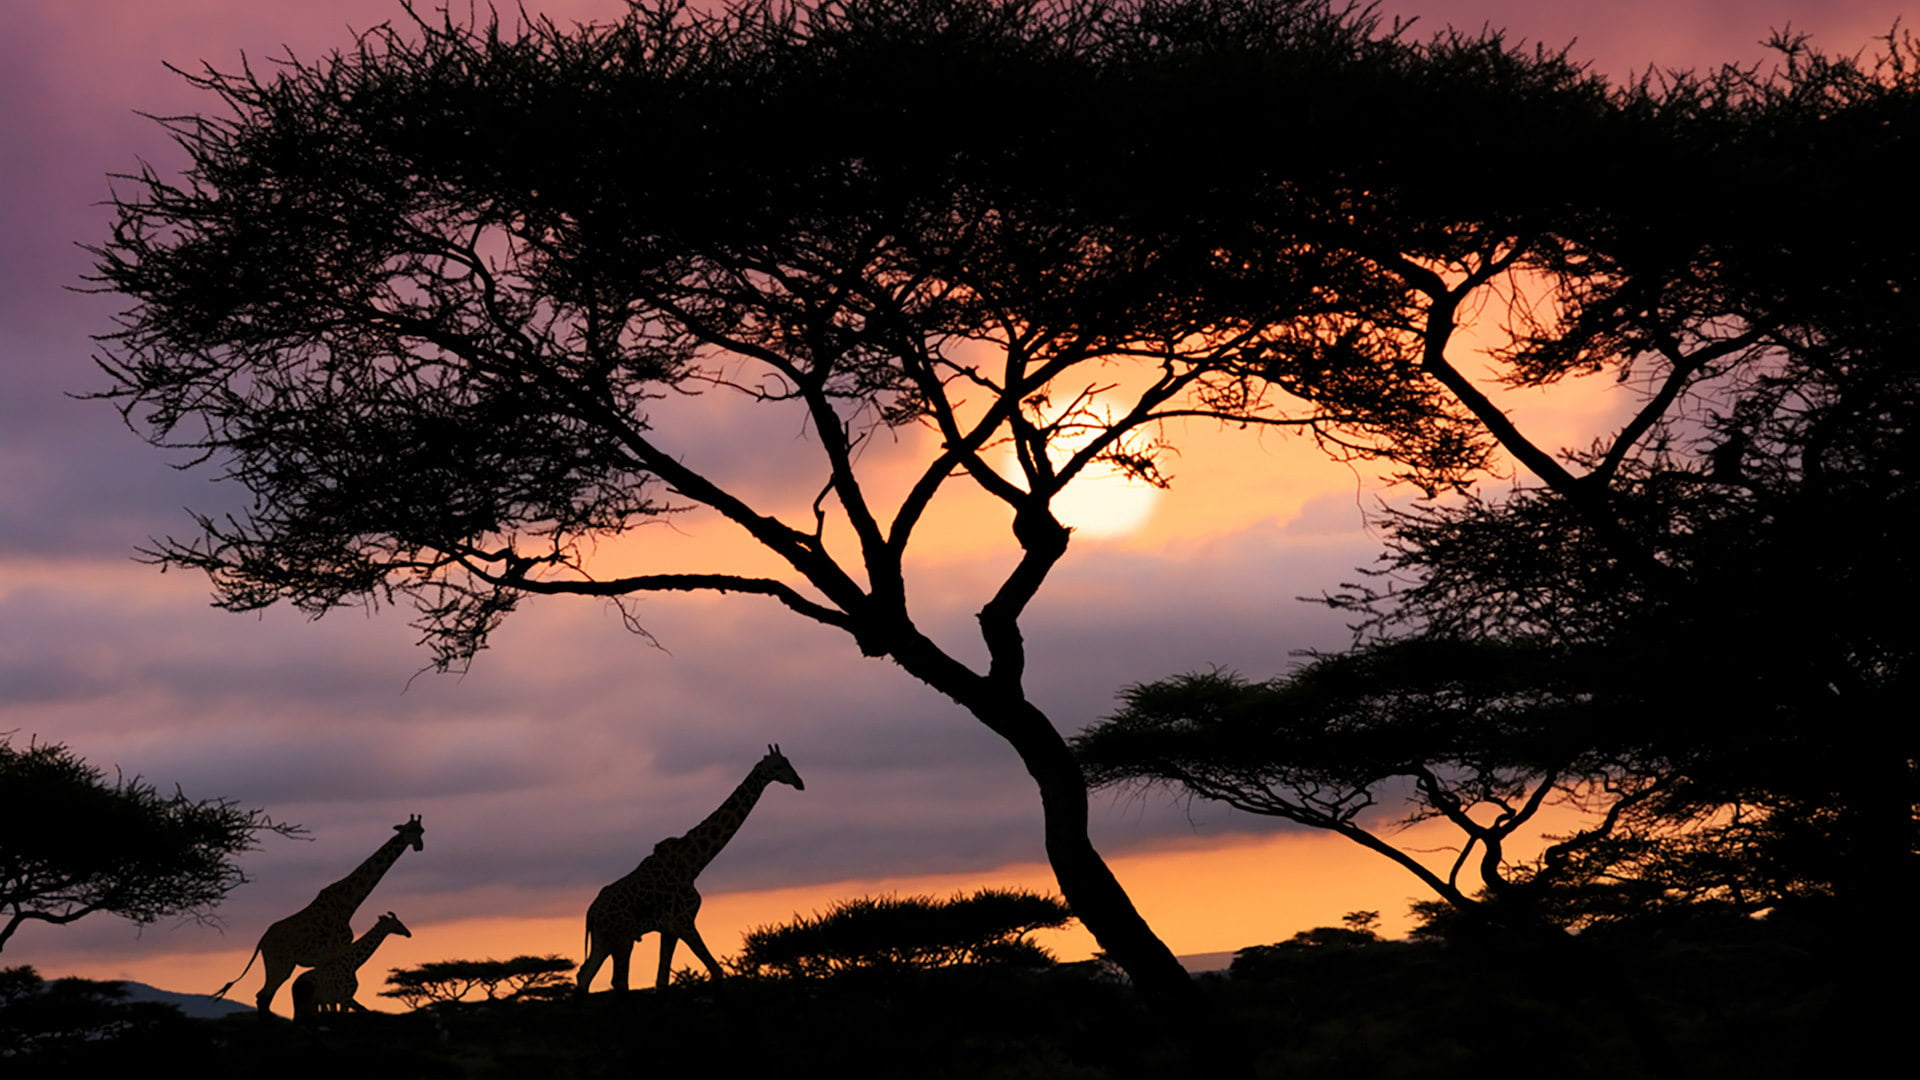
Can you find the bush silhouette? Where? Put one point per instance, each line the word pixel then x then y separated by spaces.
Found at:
pixel 517 979
pixel 908 932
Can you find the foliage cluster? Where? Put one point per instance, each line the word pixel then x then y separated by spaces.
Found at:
pixel 990 927
pixel 1258 961
pixel 424 298
pixel 1695 630
pixel 73 843
pixel 445 981
pixel 43 1021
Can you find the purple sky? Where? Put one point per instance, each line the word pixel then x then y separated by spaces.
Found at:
pixel 550 768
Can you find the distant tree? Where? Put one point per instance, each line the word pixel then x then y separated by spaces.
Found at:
pixel 452 980
pixel 907 932
pixel 73 843
pixel 1480 734
pixel 1264 961
pixel 41 1022
pixel 424 298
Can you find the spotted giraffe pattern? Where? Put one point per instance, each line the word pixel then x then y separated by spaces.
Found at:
pixel 310 936
pixel 659 894
pixel 330 987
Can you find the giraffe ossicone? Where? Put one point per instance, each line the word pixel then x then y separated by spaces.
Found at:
pixel 312 935
pixel 331 986
pixel 659 894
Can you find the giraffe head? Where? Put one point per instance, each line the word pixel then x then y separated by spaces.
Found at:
pixel 391 924
pixel 776 767
pixel 411 832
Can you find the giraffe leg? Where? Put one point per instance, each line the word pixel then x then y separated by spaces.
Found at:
pixel 668 941
pixel 589 968
pixel 276 970
pixel 622 961
pixel 700 950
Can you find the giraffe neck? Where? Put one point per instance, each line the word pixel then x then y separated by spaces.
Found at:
pixel 706 839
pixel 353 888
pixel 361 951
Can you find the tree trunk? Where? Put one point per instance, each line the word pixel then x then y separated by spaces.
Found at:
pixel 1089 886
pixel 1087 883
pixel 1872 952
pixel 1212 1048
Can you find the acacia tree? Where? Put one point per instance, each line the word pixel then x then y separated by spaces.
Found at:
pixel 1478 734
pixel 1741 568
pixel 424 299
pixel 73 844
pixel 447 981
pixel 1481 734
pixel 1748 507
pixel 907 933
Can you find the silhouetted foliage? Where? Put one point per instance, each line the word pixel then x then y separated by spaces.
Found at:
pixel 422 298
pixel 42 1022
pixel 73 843
pixel 1480 734
pixel 1261 962
pixel 906 932
pixel 443 981
pixel 1706 612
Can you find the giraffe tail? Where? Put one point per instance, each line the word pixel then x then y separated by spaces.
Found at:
pixel 222 992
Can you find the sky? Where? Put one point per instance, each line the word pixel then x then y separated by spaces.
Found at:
pixel 572 745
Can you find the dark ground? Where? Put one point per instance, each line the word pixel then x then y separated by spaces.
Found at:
pixel 1731 999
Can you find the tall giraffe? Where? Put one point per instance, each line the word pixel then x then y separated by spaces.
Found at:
pixel 330 986
pixel 309 936
pixel 659 894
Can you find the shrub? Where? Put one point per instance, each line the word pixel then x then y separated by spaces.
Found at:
pixel 912 932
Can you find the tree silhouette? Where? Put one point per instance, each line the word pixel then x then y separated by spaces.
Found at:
pixel 72 843
pixel 1730 564
pixel 430 299
pixel 1479 734
pixel 452 980
pixel 907 932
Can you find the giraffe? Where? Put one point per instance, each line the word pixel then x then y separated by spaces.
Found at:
pixel 659 894
pixel 330 986
pixel 309 936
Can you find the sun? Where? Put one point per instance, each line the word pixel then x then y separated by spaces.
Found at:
pixel 1102 503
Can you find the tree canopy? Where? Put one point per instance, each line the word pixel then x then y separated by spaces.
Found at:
pixel 1705 612
pixel 1479 734
pixel 433 299
pixel 908 932
pixel 447 981
pixel 73 843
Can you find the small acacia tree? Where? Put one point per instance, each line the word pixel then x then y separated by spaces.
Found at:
pixel 424 298
pixel 73 843
pixel 1478 734
pixel 990 927
pixel 445 981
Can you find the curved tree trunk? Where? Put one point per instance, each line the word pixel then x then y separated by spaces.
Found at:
pixel 1212 1048
pixel 1091 890
pixel 1086 881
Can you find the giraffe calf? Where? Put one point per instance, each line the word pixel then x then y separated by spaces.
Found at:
pixel 330 986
